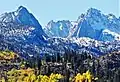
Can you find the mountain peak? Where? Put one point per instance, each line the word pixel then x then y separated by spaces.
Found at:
pixel 92 11
pixel 22 9
pixel 23 17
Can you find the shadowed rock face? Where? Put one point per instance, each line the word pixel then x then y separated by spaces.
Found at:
pixel 21 32
pixel 22 17
pixel 92 24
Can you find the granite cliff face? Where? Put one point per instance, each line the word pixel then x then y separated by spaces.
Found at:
pixel 21 32
pixel 92 24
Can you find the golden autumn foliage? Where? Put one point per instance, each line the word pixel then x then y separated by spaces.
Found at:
pixel 7 55
pixel 85 77
pixel 28 75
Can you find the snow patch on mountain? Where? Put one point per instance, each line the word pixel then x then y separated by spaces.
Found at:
pixel 58 29
pixel 109 35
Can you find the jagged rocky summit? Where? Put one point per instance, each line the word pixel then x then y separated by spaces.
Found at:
pixel 21 32
pixel 92 24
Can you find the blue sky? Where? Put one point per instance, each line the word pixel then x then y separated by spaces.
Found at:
pixel 46 10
